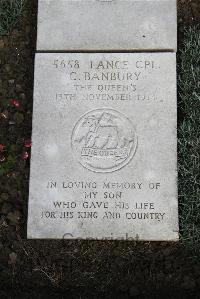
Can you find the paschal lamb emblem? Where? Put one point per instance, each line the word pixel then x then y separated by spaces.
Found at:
pixel 104 140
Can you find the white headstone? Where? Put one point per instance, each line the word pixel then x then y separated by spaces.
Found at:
pixel 65 25
pixel 104 146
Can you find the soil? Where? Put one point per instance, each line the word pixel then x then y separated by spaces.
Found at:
pixel 71 269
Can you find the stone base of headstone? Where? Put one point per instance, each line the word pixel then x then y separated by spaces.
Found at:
pixel 107 25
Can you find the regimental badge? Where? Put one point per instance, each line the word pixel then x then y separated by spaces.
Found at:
pixel 104 140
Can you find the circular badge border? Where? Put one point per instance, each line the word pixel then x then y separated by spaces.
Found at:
pixel 115 168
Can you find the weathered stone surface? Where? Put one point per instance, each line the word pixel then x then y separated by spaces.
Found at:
pixel 104 147
pixel 107 25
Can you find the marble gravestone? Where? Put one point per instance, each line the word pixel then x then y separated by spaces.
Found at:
pixel 104 155
pixel 68 25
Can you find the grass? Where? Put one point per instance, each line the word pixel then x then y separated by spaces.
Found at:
pixel 189 139
pixel 10 11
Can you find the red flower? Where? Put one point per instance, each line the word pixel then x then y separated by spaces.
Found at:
pixel 14 102
pixel 25 155
pixel 2 147
pixel 27 143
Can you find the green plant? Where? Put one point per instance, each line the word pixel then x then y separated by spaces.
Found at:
pixel 189 139
pixel 10 10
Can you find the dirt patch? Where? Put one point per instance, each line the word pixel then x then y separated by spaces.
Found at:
pixel 188 12
pixel 32 269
